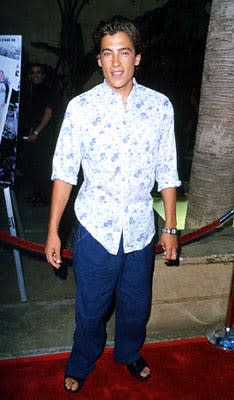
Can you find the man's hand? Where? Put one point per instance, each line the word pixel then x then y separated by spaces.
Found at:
pixel 53 250
pixel 60 195
pixel 169 244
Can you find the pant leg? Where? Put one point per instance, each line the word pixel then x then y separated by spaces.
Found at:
pixel 133 298
pixel 96 274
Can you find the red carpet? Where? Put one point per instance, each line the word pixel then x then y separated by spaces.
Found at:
pixel 191 369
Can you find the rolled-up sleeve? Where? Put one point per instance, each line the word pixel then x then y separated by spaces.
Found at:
pixel 66 160
pixel 166 169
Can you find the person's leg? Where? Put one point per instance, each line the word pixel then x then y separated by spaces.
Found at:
pixel 96 273
pixel 133 296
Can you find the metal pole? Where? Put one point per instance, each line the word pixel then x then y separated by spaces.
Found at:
pixel 16 254
pixel 18 219
pixel 224 338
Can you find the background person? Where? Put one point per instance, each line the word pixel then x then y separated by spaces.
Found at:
pixel 37 108
pixel 122 134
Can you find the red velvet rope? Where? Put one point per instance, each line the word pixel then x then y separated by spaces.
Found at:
pixel 27 245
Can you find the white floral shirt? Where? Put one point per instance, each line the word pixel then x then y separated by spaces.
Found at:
pixel 123 146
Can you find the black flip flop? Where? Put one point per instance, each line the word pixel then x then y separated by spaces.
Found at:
pixel 136 369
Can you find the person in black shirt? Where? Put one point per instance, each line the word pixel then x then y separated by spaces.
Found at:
pixel 36 114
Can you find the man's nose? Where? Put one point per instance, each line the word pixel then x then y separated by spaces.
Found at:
pixel 115 59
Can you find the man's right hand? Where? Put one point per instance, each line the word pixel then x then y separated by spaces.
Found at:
pixel 60 195
pixel 53 250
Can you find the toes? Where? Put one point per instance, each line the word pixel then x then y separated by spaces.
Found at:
pixel 71 384
pixel 145 372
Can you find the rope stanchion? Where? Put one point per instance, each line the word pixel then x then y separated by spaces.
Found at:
pixel 224 338
pixel 230 312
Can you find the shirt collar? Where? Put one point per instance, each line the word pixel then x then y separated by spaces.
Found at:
pixel 113 95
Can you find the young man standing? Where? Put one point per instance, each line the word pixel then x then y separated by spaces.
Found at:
pixel 122 133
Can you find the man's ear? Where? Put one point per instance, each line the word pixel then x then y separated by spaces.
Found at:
pixel 99 60
pixel 137 59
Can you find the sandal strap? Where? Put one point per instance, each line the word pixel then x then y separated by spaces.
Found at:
pixel 136 367
pixel 139 364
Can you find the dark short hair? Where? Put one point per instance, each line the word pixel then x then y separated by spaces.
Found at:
pixel 114 25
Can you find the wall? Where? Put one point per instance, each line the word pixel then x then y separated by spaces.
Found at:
pixel 35 21
pixel 39 21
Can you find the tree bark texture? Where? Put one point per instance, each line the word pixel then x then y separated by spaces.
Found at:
pixel 211 190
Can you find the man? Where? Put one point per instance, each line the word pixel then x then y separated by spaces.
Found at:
pixel 122 134
pixel 36 115
pixel 39 102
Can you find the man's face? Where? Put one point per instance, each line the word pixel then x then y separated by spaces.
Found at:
pixel 36 75
pixel 118 59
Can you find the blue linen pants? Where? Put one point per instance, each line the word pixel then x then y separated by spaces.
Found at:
pixel 101 278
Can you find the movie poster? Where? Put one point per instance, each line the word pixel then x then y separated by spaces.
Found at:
pixel 10 70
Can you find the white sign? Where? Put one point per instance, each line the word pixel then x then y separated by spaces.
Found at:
pixel 10 70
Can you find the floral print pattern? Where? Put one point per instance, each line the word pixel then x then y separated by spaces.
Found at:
pixel 123 147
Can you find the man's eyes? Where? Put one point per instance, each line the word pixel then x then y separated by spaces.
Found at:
pixel 107 53
pixel 125 52
pixel 121 53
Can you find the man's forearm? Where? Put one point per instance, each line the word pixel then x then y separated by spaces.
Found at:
pixel 168 240
pixel 60 195
pixel 169 201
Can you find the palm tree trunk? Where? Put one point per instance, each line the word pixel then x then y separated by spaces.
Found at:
pixel 211 190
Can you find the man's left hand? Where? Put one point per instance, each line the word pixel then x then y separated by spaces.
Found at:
pixel 169 244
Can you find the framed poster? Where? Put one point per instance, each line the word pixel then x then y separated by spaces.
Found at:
pixel 10 71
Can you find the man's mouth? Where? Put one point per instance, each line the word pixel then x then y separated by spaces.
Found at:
pixel 117 74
